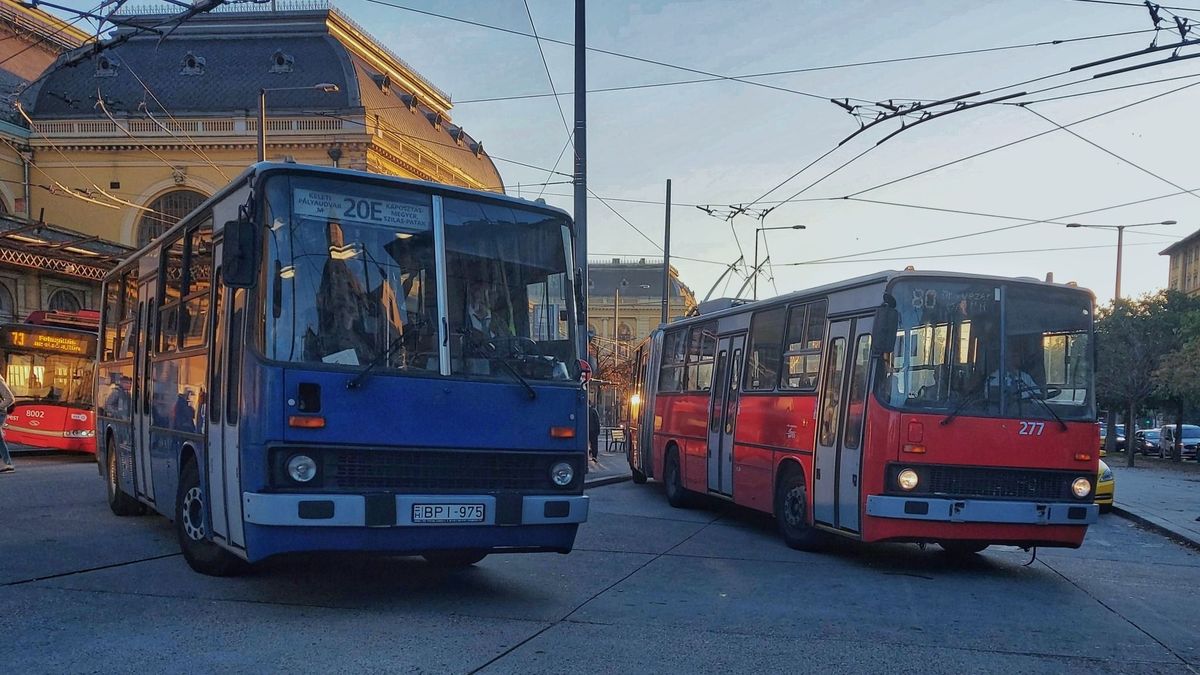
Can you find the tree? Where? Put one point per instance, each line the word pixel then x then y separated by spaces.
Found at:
pixel 1133 336
pixel 1178 375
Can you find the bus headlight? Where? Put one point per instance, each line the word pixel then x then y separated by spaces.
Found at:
pixel 1082 487
pixel 301 468
pixel 562 474
pixel 635 400
pixel 907 479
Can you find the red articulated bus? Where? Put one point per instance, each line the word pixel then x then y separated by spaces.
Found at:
pixel 49 363
pixel 902 406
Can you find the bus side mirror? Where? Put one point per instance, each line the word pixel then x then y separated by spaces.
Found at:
pixel 239 267
pixel 883 330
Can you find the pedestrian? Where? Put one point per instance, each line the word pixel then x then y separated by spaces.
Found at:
pixel 6 400
pixel 594 433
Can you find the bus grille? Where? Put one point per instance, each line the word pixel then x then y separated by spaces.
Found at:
pixel 440 470
pixel 961 481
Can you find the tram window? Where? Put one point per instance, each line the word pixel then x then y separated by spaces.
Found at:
pixel 701 347
pixel 805 332
pixel 672 376
pixel 766 350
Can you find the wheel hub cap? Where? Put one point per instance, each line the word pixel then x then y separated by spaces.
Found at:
pixel 793 507
pixel 193 523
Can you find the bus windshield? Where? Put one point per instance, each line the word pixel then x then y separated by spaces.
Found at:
pixel 992 350
pixel 353 276
pixel 36 377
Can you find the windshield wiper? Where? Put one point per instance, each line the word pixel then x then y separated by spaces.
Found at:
pixel 362 375
pixel 959 408
pixel 478 349
pixel 1024 388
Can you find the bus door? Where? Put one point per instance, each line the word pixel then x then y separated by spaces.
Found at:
pixel 837 484
pixel 722 412
pixel 142 385
pixel 223 456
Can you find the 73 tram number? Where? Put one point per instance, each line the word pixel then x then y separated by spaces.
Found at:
pixel 1031 428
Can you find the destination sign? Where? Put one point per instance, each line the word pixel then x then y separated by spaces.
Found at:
pixel 343 208
pixel 20 338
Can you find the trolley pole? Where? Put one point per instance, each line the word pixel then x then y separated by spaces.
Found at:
pixel 666 289
pixel 581 230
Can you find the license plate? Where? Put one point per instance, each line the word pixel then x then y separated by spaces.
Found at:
pixel 447 513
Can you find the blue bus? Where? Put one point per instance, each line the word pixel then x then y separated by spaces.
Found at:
pixel 319 359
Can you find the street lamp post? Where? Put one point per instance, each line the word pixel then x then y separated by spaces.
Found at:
pixel 1120 243
pixel 327 87
pixel 756 232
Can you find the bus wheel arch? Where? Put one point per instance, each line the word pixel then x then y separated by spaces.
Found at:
pixel 200 552
pixel 119 502
pixel 672 477
pixel 791 508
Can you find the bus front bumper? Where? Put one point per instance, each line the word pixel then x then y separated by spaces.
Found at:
pixel 981 511
pixel 409 510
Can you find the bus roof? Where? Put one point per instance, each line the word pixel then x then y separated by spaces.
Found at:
pixel 882 277
pixel 263 168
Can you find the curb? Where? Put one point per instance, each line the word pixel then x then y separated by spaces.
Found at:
pixel 1150 524
pixel 610 480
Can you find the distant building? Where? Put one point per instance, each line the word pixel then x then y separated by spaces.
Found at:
pixel 1185 264
pixel 624 305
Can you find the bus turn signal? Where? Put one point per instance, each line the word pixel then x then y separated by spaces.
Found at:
pixel 306 421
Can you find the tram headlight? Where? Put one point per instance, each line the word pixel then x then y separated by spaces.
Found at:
pixel 907 479
pixel 562 474
pixel 301 468
pixel 1082 487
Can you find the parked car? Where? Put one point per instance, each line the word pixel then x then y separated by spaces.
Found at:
pixel 1104 435
pixel 1191 439
pixel 1106 487
pixel 1146 440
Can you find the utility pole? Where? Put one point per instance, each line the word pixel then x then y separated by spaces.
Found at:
pixel 666 286
pixel 616 325
pixel 581 237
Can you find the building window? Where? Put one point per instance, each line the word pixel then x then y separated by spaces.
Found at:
pixel 165 211
pixel 624 333
pixel 63 300
pixel 8 308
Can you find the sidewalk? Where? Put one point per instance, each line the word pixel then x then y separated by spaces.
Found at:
pixel 611 468
pixel 1167 500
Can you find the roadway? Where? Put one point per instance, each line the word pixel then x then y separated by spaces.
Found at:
pixel 648 589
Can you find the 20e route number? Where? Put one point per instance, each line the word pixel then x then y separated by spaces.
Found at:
pixel 1031 429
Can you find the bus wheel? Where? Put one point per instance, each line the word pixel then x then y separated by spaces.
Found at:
pixel 791 512
pixel 961 549
pixel 639 477
pixel 454 558
pixel 201 554
pixel 677 495
pixel 120 503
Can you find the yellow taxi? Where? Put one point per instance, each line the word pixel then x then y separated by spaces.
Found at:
pixel 1106 487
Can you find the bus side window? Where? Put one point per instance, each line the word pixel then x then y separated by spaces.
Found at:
pixel 672 375
pixel 802 346
pixel 112 318
pixel 766 350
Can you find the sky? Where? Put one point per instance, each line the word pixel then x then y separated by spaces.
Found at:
pixel 729 142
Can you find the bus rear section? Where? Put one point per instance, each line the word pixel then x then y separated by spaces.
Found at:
pixel 399 373
pixel 944 408
pixel 50 371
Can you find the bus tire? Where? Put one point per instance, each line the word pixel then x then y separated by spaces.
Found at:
pixel 638 477
pixel 962 549
pixel 677 495
pixel 201 554
pixel 119 502
pixel 791 512
pixel 452 559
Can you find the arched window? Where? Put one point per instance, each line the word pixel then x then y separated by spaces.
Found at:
pixel 63 300
pixel 8 308
pixel 165 212
pixel 625 332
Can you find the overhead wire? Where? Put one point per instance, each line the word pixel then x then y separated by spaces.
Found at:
pixel 1005 228
pixel 1111 153
pixel 550 79
pixel 1021 140
pixel 971 254
pixel 598 50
